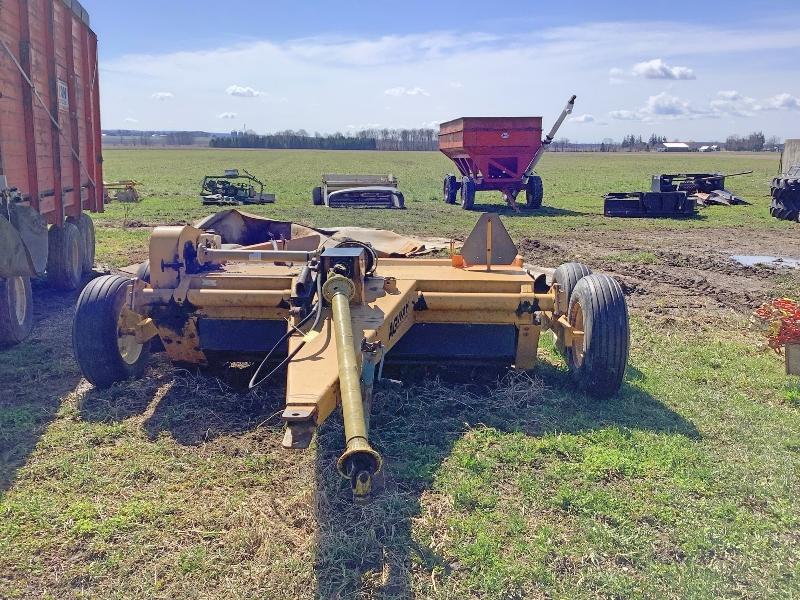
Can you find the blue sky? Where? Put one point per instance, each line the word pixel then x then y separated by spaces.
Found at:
pixel 688 70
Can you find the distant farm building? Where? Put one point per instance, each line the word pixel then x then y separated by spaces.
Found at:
pixel 675 147
pixel 711 148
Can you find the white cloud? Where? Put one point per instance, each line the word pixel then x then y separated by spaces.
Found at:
pixel 731 95
pixel 430 124
pixel 131 120
pixel 665 104
pixel 624 115
pixel 241 91
pixel 615 72
pixel 456 84
pixel 583 119
pixel 161 96
pixel 783 102
pixel 658 69
pixel 404 91
pixel 227 115
pixel 571 59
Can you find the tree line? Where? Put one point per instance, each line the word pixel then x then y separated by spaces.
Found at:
pixel 366 139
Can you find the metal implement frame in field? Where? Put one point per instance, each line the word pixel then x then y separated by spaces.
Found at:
pixel 358 191
pixel 333 316
pixel 496 154
pixel 245 193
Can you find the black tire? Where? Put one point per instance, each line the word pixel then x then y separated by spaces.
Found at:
pixel 95 334
pixel 598 308
pixel 467 193
pixel 785 203
pixel 143 272
pixel 16 310
pixel 401 200
pixel 534 192
pixel 85 226
pixel 64 257
pixel 569 274
pixel 450 189
pixel 316 196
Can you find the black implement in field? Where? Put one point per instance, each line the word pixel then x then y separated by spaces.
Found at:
pixel 233 189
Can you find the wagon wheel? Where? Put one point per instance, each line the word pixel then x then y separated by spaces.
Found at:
pixel 467 193
pixel 16 310
pixel 534 192
pixel 65 256
pixel 450 189
pixel 597 357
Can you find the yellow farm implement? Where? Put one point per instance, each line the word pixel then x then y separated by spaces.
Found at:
pixel 332 316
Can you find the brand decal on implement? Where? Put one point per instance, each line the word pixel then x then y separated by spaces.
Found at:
pixel 505 135
pixel 398 319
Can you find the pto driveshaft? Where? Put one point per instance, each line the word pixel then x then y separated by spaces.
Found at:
pixel 359 461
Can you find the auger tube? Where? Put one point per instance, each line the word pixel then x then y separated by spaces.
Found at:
pixel 550 136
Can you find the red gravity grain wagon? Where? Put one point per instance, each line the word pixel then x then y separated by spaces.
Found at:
pixel 496 153
pixel 50 154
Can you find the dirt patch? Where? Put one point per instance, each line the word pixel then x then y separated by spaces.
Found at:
pixel 678 271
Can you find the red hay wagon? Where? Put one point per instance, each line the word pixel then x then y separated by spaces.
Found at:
pixel 496 154
pixel 50 152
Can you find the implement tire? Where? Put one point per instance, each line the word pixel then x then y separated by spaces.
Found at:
pixel 785 203
pixel 16 310
pixel 598 361
pixel 64 257
pixel 534 192
pixel 104 354
pixel 569 274
pixel 316 196
pixel 85 226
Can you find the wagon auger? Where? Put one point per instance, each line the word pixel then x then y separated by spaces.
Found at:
pixel 334 315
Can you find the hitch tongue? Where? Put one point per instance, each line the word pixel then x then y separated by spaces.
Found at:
pixel 360 461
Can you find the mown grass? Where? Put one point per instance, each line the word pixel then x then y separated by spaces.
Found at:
pixel 685 485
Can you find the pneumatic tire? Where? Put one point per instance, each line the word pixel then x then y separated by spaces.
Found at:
pixel 569 274
pixel 785 203
pixel 467 193
pixel 16 310
pixel 450 189
pixel 85 226
pixel 534 192
pixel 105 354
pixel 316 196
pixel 597 362
pixel 64 256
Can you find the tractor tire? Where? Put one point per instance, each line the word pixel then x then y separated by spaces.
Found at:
pixel 467 193
pixel 104 355
pixel 534 192
pixel 85 226
pixel 598 361
pixel 569 274
pixel 785 193
pixel 316 196
pixel 450 189
pixel 16 310
pixel 64 257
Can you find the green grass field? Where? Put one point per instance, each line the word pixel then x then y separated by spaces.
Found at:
pixel 685 485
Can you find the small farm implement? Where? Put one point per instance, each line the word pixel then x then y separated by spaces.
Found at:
pixel 358 191
pixel 234 189
pixel 334 315
pixel 496 153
